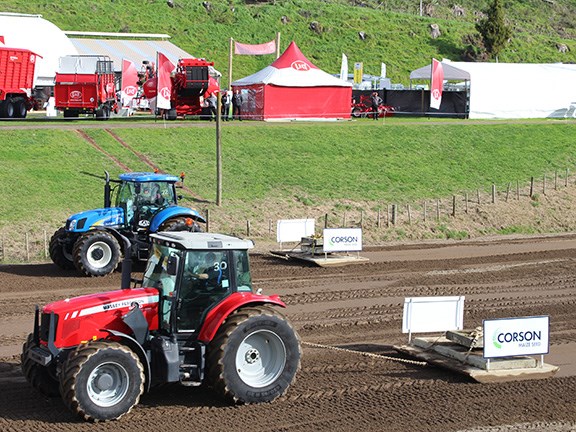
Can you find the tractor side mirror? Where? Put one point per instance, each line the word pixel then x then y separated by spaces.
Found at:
pixel 137 188
pixel 172 267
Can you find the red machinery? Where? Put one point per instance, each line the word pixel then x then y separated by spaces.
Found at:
pixel 363 108
pixel 86 85
pixel 190 83
pixel 16 81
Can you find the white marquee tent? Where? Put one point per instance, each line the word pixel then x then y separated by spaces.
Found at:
pixel 514 90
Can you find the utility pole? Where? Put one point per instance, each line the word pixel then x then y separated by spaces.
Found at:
pixel 218 152
pixel 420 7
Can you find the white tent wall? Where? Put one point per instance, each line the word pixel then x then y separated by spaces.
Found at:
pixel 518 90
pixel 39 36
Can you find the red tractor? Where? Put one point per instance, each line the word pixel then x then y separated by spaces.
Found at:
pixel 16 82
pixel 195 319
pixel 191 81
pixel 85 84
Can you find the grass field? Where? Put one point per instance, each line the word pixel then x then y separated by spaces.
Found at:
pixel 45 173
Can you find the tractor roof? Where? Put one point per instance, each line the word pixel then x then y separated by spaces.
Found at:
pixel 148 177
pixel 201 241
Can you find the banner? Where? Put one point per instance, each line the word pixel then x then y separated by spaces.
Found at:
pixel 165 68
pixel 342 239
pixel 506 337
pixel 358 73
pixel 383 70
pixel 129 82
pixel 437 84
pixel 260 49
pixel 344 68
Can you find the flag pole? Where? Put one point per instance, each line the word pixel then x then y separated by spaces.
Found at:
pixel 277 44
pixel 230 64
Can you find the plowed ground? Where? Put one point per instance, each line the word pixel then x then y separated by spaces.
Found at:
pixel 358 307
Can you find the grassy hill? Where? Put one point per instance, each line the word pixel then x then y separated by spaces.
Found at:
pixel 395 33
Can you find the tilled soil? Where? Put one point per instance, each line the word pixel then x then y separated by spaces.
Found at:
pixel 359 308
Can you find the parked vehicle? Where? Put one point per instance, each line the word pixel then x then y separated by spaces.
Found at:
pixel 91 241
pixel 85 84
pixel 363 108
pixel 197 319
pixel 16 82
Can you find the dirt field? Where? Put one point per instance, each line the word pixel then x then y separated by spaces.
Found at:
pixel 358 307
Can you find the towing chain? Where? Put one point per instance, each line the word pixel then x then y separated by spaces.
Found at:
pixel 366 354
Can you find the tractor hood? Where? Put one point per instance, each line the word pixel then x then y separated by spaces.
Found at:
pixel 84 318
pixel 108 217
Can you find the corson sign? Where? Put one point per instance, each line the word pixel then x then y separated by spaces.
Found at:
pixel 342 239
pixel 516 336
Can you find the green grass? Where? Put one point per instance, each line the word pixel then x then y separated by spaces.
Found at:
pixel 395 33
pixel 397 161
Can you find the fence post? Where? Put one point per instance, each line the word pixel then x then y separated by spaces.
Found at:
pixel 425 211
pixel 453 205
pixel 207 220
pixel 362 219
pixel 378 219
pixel 326 220
pixel 517 190
pixel 394 214
pixel 531 186
pixel 247 228
pixel 493 193
pixel 466 202
pixel 45 244
pixel 387 215
pixel 566 179
pixel 478 195
pixel 409 215
pixel 344 221
pixel 437 210
pixel 508 190
pixel 27 248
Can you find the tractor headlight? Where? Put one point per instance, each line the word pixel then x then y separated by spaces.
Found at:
pixel 72 225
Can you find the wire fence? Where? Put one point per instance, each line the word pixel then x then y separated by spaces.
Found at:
pixel 34 246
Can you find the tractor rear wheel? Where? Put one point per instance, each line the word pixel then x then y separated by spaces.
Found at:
pixel 60 250
pixel 96 253
pixel 178 224
pixel 102 380
pixel 254 356
pixel 37 375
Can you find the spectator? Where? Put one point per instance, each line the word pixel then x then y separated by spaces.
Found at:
pixel 212 103
pixel 237 105
pixel 225 105
pixel 376 101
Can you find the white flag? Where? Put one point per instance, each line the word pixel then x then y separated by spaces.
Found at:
pixel 344 68
pixel 383 70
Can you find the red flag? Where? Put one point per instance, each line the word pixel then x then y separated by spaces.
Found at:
pixel 261 49
pixel 165 69
pixel 437 84
pixel 2 40
pixel 129 82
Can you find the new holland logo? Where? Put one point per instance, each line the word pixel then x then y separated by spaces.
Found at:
pixel 300 65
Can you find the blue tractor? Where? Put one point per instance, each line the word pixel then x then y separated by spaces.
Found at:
pixel 145 203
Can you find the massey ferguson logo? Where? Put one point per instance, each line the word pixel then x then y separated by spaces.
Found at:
pixel 75 95
pixel 130 91
pixel 165 93
pixel 300 65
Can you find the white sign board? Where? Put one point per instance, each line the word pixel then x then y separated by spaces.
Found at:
pixel 433 314
pixel 291 230
pixel 516 336
pixel 342 239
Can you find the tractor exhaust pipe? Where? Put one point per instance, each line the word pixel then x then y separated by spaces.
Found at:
pixel 107 199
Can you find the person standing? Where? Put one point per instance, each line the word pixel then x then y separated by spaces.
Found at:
pixel 225 105
pixel 212 103
pixel 376 101
pixel 237 105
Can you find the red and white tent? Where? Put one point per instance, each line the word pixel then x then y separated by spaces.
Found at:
pixel 293 88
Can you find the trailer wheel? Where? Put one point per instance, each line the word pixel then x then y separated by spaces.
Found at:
pixel 71 114
pixel 61 250
pixel 356 112
pixel 20 109
pixel 102 381
pixel 254 356
pixel 171 114
pixel 37 375
pixel 6 109
pixel 96 253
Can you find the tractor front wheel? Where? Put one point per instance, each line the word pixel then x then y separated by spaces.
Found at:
pixel 102 381
pixel 96 253
pixel 254 356
pixel 61 250
pixel 37 375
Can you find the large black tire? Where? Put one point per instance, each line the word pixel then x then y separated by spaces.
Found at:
pixel 20 110
pixel 101 381
pixel 96 253
pixel 179 224
pixel 71 114
pixel 6 109
pixel 37 375
pixel 60 252
pixel 254 356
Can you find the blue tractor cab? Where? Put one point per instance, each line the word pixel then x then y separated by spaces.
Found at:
pixel 144 203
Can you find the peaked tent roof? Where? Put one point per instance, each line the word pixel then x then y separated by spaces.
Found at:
pixel 292 69
pixel 450 73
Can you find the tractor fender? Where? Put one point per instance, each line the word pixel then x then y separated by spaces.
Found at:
pixel 102 217
pixel 218 314
pixel 171 212
pixel 133 344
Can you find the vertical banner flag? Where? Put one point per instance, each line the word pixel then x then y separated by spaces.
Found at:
pixel 165 68
pixel 129 82
pixel 344 68
pixel 260 49
pixel 383 70
pixel 437 84
pixel 358 73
